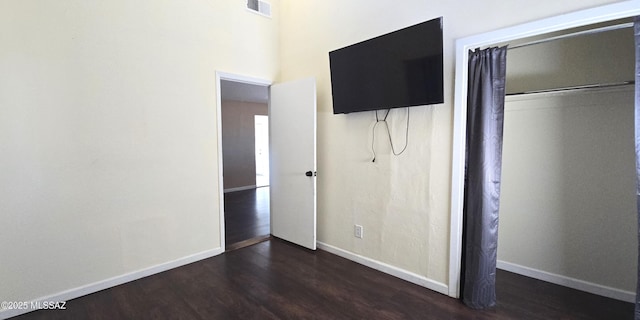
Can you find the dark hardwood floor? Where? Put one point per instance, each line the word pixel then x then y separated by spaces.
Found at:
pixel 246 216
pixel 278 280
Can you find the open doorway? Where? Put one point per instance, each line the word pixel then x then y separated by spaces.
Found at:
pixel 245 162
pixel 292 173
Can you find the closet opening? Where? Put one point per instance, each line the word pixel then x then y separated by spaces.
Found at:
pixel 555 89
pixel 567 202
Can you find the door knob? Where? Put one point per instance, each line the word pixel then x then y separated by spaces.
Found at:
pixel 310 173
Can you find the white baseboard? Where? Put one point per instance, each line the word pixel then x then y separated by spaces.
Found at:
pixel 388 269
pixel 573 283
pixel 112 282
pixel 240 188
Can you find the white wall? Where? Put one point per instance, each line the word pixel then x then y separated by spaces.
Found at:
pixel 568 204
pixel 108 133
pixel 402 202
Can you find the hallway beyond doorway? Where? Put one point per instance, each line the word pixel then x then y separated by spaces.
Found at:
pixel 246 215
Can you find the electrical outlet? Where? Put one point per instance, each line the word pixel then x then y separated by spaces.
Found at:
pixel 358 231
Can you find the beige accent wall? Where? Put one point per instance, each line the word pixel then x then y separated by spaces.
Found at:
pixel 238 142
pixel 568 204
pixel 108 133
pixel 402 202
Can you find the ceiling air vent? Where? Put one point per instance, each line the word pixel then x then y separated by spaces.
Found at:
pixel 260 7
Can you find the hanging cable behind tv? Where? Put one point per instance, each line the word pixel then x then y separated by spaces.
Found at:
pixel 386 125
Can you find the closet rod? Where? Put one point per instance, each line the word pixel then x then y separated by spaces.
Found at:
pixel 571 35
pixel 583 87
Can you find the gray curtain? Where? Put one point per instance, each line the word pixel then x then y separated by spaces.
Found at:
pixel 636 32
pixel 485 118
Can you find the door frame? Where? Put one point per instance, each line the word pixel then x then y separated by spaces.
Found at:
pixel 463 45
pixel 235 78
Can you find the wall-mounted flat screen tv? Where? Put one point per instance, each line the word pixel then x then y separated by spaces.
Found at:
pixel 400 69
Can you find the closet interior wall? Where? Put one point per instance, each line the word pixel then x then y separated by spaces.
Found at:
pixel 567 209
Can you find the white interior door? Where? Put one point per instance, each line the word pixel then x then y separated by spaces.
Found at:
pixel 292 115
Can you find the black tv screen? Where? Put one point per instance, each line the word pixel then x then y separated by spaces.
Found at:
pixel 400 69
